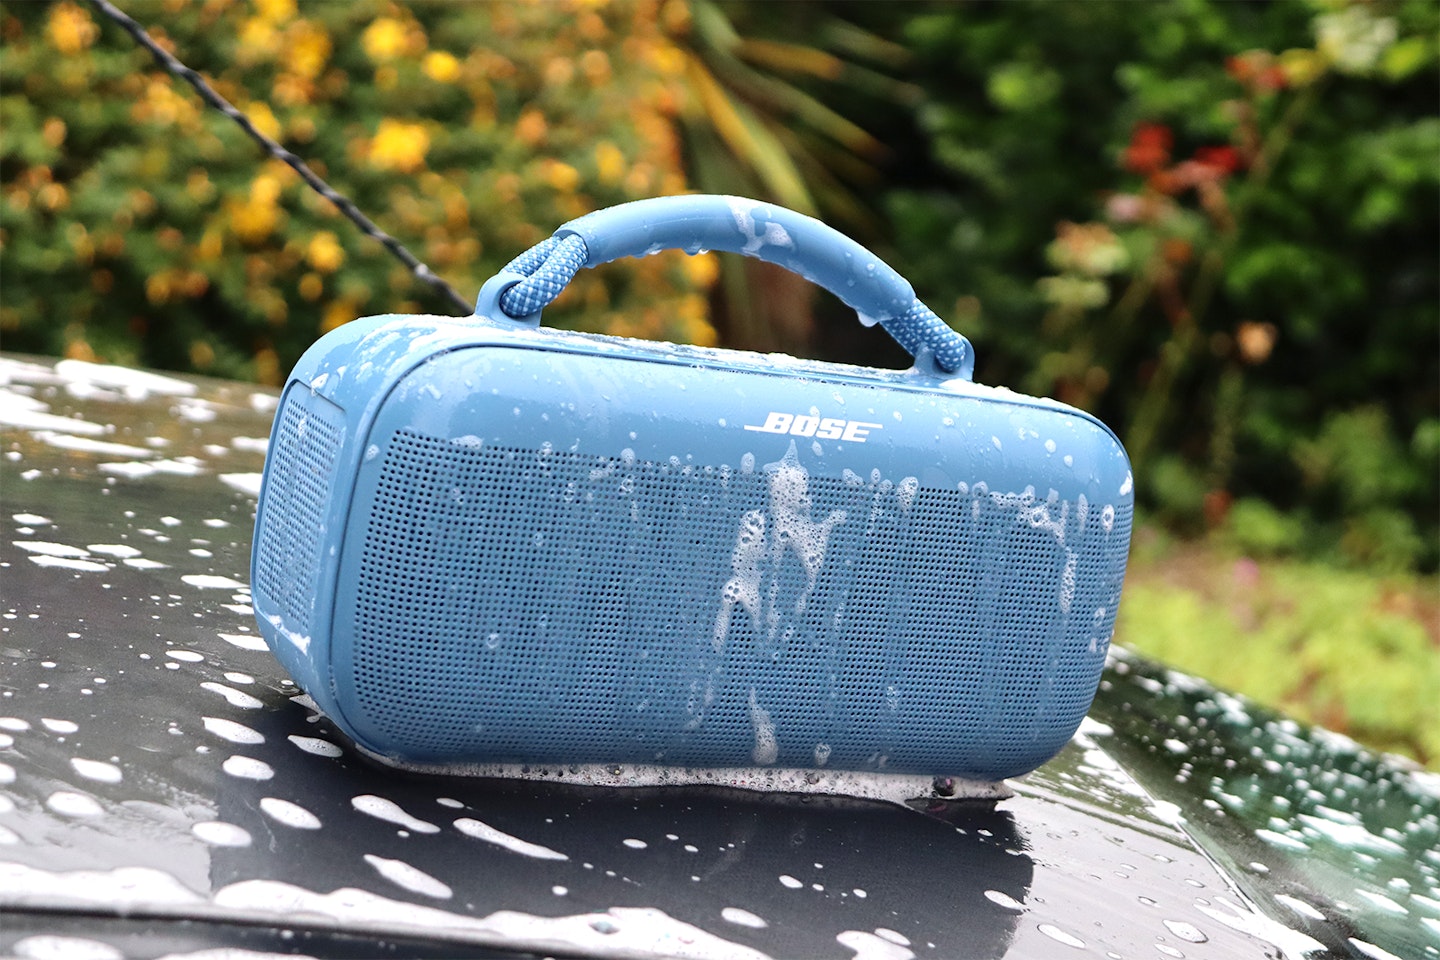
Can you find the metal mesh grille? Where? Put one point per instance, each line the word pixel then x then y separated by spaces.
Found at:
pixel 301 468
pixel 523 605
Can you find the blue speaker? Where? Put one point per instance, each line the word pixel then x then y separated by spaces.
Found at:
pixel 483 542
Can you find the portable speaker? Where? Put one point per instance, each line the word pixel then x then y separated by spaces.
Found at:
pixel 483 542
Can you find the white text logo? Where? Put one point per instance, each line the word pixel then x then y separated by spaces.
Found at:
pixel 827 428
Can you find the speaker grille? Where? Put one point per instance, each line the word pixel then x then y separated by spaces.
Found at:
pixel 301 471
pixel 523 605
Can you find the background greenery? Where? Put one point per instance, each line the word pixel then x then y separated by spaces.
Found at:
pixel 1214 224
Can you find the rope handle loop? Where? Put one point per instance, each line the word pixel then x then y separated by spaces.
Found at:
pixel 700 223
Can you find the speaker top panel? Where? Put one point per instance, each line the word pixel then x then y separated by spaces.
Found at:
pixel 478 383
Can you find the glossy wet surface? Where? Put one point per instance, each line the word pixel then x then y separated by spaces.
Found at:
pixel 155 762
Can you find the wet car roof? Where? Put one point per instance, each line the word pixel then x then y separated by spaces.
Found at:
pixel 164 788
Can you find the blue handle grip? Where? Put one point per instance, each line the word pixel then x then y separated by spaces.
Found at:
pixel 767 232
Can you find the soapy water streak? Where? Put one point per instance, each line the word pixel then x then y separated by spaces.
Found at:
pixel 761 548
pixel 744 213
pixel 767 539
pixel 760 552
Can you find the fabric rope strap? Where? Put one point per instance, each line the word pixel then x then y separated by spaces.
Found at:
pixel 547 267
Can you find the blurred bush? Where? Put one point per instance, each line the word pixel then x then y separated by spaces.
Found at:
pixel 1344 649
pixel 1214 224
pixel 139 226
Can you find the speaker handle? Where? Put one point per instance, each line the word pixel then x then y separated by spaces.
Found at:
pixel 699 223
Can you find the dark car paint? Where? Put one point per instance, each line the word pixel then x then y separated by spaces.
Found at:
pixel 1168 827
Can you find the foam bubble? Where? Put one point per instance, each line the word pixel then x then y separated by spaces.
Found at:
pixel 411 878
pixel 483 831
pixel 388 810
pixel 218 833
pixel 290 814
pixel 97 770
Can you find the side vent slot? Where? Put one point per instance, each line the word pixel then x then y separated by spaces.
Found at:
pixel 301 465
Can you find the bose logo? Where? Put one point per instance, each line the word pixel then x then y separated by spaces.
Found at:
pixel 803 425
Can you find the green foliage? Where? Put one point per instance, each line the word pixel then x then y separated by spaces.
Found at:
pixel 1258 529
pixel 1269 330
pixel 1353 651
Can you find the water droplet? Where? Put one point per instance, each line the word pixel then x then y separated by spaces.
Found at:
pixel 1185 931
pixel 71 804
pixel 247 768
pixel 1004 900
pixel 96 770
pixel 1060 936
pixel 743 918
pixel 290 814
pixel 218 833
pixel 315 745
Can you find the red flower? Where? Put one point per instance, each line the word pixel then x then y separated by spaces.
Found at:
pixel 1224 160
pixel 1257 69
pixel 1149 148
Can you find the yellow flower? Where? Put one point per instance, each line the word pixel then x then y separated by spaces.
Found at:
pixel 700 332
pixel 667 59
pixel 162 105
pixel 384 39
pixel 292 91
pixel 70 28
pixel 337 313
pixel 256 218
pixel 257 40
pixel 79 349
pixel 276 11
pixel 441 67
pixel 324 252
pixel 53 133
pixel 530 128
pixel 399 146
pixel 562 176
pixel 311 286
pixel 253 222
pixel 596 67
pixel 609 163
pixel 52 196
pixel 157 288
pixel 703 269
pixel 264 120
pixel 676 17
pixel 267 366
pixel 202 355
pixel 309 49
pixel 559 71
pixel 211 245
pixel 637 181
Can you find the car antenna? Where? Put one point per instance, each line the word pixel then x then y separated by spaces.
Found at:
pixel 210 96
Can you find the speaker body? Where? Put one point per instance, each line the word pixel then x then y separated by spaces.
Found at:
pixel 483 542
